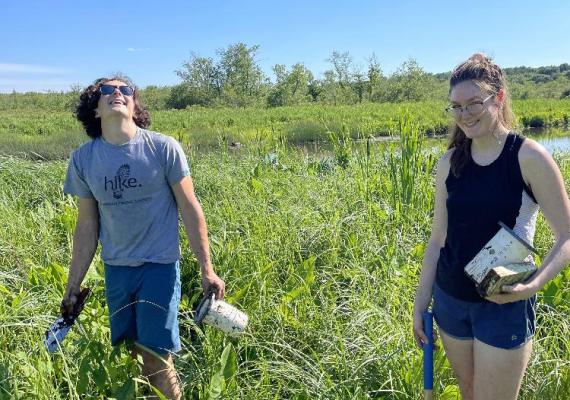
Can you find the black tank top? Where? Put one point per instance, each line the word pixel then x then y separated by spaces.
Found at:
pixel 477 200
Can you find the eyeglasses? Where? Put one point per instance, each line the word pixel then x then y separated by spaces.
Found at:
pixel 474 108
pixel 110 89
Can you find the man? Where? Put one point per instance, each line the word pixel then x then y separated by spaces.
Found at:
pixel 130 183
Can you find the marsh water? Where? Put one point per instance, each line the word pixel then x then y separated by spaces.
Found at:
pixel 555 140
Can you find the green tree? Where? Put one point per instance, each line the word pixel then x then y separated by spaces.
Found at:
pixel 156 97
pixel 330 91
pixel 234 80
pixel 242 81
pixel 342 63
pixel 409 83
pixel 291 87
pixel 201 83
pixel 337 84
pixel 376 79
pixel 359 83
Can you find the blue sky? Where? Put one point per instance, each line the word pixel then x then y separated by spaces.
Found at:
pixel 51 45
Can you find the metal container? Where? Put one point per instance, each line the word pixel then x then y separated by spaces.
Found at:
pixel 506 247
pixel 221 315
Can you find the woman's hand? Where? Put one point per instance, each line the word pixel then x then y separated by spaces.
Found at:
pixel 419 334
pixel 512 293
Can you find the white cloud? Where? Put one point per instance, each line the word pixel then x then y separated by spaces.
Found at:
pixel 31 69
pixel 8 85
pixel 34 78
pixel 137 49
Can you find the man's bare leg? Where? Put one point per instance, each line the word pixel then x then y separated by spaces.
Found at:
pixel 160 372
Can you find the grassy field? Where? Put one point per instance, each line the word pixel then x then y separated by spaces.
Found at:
pixel 323 252
pixel 45 135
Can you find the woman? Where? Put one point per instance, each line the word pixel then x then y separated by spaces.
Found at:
pixel 131 182
pixel 488 174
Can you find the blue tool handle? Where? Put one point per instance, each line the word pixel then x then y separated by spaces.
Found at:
pixel 428 350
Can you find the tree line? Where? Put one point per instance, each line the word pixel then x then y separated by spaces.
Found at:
pixel 235 79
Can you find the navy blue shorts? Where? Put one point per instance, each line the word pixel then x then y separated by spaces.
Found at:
pixel 143 305
pixel 506 326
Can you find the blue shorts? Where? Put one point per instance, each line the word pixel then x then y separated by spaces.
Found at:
pixel 143 305
pixel 506 326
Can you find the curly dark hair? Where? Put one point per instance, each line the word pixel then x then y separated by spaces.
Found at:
pixel 89 99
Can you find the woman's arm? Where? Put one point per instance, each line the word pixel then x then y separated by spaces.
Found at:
pixel 195 225
pixel 435 243
pixel 543 176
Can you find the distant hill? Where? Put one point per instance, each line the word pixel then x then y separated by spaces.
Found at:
pixel 538 82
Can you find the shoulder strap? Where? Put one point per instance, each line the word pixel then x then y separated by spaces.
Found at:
pixel 514 165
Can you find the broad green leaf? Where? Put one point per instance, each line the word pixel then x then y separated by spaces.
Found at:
pixel 158 393
pixel 229 366
pixel 418 250
pixel 293 294
pixel 217 385
pixel 100 377
pixel 255 184
pixel 451 392
pixel 83 375
pixel 4 289
pixel 309 271
pixel 126 391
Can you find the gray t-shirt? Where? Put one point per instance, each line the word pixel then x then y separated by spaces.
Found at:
pixel 138 216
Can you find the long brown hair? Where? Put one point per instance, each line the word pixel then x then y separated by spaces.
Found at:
pixel 490 78
pixel 85 109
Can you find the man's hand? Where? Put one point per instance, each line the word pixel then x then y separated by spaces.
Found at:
pixel 69 300
pixel 212 283
pixel 73 301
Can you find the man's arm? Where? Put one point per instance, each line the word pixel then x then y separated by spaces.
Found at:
pixel 195 225
pixel 85 238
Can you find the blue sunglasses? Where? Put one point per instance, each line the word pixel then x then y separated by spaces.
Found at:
pixel 110 89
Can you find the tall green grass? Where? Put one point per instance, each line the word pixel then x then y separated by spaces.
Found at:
pixel 323 252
